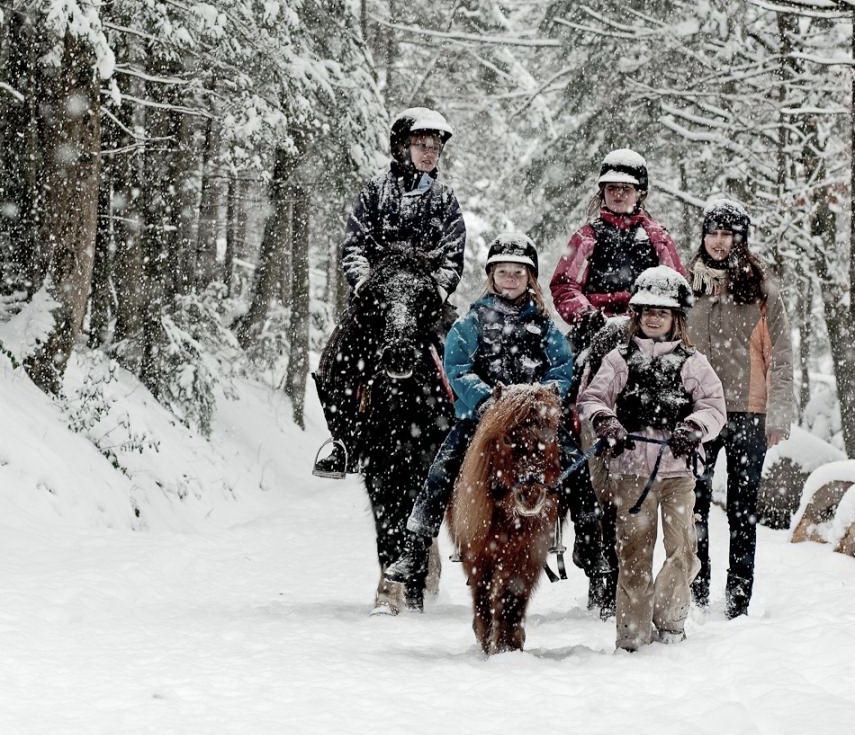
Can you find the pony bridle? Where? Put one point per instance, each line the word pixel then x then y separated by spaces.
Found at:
pixel 531 478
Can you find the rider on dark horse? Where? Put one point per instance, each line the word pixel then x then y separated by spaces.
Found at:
pixel 406 206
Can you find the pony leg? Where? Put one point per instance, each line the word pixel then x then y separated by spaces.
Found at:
pixel 482 621
pixel 509 620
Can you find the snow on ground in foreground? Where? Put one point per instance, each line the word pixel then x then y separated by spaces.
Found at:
pixel 262 627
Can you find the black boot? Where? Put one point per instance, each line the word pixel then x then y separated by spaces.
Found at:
pixel 335 465
pixel 701 591
pixel 609 600
pixel 413 562
pixel 596 591
pixel 414 596
pixel 737 596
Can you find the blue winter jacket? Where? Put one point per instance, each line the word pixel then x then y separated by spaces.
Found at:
pixel 474 359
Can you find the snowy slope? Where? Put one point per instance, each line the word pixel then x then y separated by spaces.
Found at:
pixel 242 608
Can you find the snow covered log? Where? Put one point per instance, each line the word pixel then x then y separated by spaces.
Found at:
pixel 785 472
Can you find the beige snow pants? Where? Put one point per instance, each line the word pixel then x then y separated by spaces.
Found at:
pixel 641 601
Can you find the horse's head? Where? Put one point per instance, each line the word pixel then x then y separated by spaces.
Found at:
pixel 525 450
pixel 401 307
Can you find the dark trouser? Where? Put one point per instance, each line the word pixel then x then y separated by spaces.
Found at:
pixel 431 502
pixel 338 378
pixel 429 509
pixel 585 513
pixel 744 443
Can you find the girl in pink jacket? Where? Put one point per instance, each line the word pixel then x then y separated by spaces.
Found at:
pixel 593 278
pixel 659 387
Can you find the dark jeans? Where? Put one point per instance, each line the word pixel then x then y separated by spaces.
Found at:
pixel 744 442
pixel 431 502
pixel 435 495
pixel 338 379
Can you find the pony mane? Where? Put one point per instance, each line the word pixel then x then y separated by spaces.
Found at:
pixel 398 257
pixel 517 405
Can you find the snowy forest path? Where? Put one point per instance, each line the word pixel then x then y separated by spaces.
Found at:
pixel 264 628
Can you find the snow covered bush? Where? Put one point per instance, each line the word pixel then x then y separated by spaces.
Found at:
pixel 268 351
pixel 199 358
pixel 90 411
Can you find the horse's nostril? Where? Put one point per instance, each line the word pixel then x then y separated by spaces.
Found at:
pixel 399 360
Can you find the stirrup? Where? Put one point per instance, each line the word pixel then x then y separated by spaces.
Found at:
pixel 333 475
pixel 558 548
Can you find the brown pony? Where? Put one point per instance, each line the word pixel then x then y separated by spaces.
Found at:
pixel 504 509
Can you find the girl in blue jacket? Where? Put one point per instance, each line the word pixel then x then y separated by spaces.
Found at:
pixel 506 337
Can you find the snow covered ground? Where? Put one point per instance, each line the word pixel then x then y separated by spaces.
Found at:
pixel 240 605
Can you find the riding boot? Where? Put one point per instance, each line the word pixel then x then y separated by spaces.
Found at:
pixel 333 466
pixel 412 564
pixel 737 595
pixel 596 590
pixel 414 596
pixel 701 591
pixel 607 608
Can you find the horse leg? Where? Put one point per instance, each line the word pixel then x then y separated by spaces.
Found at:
pixel 434 569
pixel 482 620
pixel 508 617
pixel 387 599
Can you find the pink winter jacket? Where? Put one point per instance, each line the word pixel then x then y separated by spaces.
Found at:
pixel 571 273
pixel 699 380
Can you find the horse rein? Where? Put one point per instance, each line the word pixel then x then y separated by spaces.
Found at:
pixel 597 448
pixel 663 443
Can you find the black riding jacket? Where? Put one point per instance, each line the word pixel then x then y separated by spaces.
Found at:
pixel 392 208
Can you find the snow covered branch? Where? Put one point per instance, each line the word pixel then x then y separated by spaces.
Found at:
pixel 12 91
pixel 470 37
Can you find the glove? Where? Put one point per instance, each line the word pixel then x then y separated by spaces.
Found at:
pixel 359 295
pixel 484 406
pixel 685 439
pixel 590 322
pixel 609 428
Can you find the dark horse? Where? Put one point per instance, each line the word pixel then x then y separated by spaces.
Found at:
pixel 404 403
pixel 504 509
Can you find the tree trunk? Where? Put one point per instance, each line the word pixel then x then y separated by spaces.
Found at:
pixel 298 326
pixel 181 269
pixel 161 214
pixel 206 236
pixel 806 327
pixel 101 305
pixel 838 314
pixel 232 204
pixel 128 276
pixel 285 274
pixel 390 58
pixel 268 272
pixel 22 155
pixel 72 162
